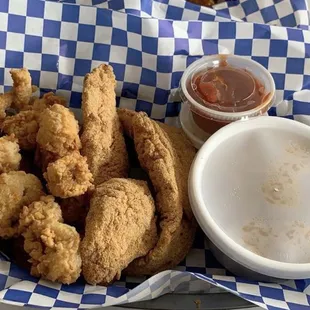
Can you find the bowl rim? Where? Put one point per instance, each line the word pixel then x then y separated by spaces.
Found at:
pixel 220 239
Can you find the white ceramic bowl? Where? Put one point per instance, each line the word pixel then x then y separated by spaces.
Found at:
pixel 249 190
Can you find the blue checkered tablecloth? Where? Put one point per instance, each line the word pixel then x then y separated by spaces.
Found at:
pixel 149 44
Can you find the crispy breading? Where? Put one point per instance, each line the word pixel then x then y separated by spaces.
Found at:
pixel 9 154
pixel 102 139
pixel 120 226
pixel 22 88
pixel 166 155
pixel 58 131
pixel 17 189
pixel 68 176
pixel 24 126
pixel 40 213
pixel 48 100
pixel 52 245
pixel 57 153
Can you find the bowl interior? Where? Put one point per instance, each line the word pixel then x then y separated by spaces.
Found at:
pixel 255 186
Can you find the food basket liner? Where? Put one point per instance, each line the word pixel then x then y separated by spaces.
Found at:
pixel 149 44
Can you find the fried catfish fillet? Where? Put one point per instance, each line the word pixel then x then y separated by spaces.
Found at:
pixel 102 137
pixel 120 226
pixel 166 155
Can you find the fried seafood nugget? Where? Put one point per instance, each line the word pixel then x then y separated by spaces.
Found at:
pixel 24 126
pixel 102 138
pixel 53 247
pixel 58 131
pixel 120 226
pixel 48 100
pixel 6 101
pixel 9 154
pixel 166 155
pixel 17 189
pixel 22 88
pixel 40 213
pixel 68 176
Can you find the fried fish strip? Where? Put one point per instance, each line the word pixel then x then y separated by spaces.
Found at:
pixel 9 154
pixel 102 139
pixel 52 245
pixel 166 155
pixel 120 226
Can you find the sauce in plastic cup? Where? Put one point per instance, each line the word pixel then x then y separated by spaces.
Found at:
pixel 221 89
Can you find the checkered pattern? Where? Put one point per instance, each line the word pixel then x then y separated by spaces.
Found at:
pixel 61 42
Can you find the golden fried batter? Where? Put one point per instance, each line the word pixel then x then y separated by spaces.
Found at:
pixel 120 226
pixel 68 176
pixel 40 213
pixel 58 131
pixel 24 126
pixel 22 88
pixel 166 155
pixel 52 245
pixel 102 139
pixel 48 100
pixel 17 189
pixel 9 154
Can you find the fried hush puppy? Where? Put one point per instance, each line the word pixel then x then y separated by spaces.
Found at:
pixel 166 155
pixel 9 154
pixel 53 247
pixel 17 189
pixel 102 138
pixel 120 226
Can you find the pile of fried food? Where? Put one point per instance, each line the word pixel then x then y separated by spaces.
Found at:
pixel 67 204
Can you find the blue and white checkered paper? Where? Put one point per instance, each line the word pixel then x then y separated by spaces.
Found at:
pixel 149 44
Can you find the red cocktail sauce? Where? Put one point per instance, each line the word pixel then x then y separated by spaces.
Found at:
pixel 224 89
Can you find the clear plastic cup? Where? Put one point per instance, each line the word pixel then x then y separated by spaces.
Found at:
pixel 213 104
